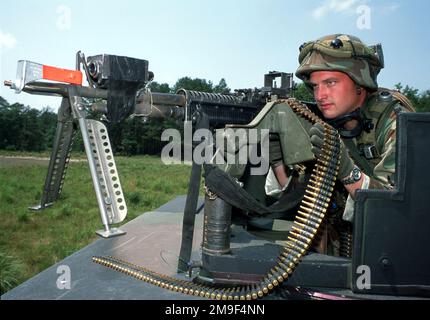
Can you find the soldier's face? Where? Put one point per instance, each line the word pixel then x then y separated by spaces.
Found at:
pixel 335 93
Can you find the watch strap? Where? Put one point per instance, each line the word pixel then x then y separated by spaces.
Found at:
pixel 353 177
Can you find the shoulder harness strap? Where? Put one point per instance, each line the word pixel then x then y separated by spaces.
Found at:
pixel 379 106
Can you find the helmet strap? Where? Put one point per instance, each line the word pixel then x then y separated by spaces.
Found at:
pixel 363 123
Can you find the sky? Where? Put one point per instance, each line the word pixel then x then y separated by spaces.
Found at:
pixel 238 40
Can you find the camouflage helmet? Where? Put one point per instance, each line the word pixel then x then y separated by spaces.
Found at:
pixel 344 53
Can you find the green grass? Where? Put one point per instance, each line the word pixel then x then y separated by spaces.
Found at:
pixel 32 241
pixel 10 270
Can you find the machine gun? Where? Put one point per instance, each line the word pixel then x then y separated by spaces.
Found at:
pixel 117 90
pixel 244 267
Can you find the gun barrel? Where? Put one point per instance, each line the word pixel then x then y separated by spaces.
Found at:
pixel 158 111
pixel 160 105
pixel 157 98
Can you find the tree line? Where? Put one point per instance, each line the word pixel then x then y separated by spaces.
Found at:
pixel 23 128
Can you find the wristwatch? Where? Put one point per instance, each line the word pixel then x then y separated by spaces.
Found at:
pixel 353 177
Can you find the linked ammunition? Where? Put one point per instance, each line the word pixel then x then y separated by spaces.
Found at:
pixel 303 232
pixel 317 199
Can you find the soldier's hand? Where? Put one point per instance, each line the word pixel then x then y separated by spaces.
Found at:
pixel 317 140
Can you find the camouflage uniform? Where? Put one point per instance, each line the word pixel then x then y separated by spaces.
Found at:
pixel 380 163
pixel 362 64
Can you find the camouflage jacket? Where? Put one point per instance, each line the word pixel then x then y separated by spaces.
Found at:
pixel 375 151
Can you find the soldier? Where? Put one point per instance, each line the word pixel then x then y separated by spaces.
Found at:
pixel 341 71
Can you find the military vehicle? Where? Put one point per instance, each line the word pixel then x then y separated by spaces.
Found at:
pixel 246 244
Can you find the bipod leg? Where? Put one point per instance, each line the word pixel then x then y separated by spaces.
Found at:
pixel 60 156
pixel 104 174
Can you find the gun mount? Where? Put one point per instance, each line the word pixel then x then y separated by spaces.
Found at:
pixel 238 261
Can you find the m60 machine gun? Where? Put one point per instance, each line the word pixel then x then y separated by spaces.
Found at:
pixel 116 89
pixel 235 264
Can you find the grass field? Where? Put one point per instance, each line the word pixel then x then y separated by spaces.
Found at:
pixel 32 241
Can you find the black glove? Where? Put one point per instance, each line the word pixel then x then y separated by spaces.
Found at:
pixel 275 151
pixel 317 139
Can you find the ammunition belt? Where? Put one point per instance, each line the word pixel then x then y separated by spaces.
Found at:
pixel 310 215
